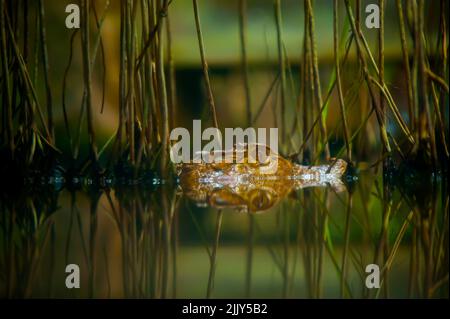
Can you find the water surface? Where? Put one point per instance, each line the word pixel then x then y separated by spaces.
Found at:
pixel 157 243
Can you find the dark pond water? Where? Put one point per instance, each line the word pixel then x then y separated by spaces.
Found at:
pixel 157 243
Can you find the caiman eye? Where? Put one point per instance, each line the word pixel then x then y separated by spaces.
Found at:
pixel 260 200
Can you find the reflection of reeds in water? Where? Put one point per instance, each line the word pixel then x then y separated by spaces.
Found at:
pixel 310 235
pixel 148 240
pixel 26 232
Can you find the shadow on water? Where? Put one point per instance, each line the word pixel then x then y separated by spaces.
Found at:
pixel 153 242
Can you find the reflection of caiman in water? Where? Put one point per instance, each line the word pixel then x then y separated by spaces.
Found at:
pixel 250 185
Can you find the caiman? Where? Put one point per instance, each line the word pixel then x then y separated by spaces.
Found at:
pixel 251 185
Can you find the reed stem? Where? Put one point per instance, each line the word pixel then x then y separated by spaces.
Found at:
pixel 381 62
pixel 318 89
pixel 162 91
pixel 281 66
pixel 43 38
pixel 405 54
pixel 244 60
pixel 212 106
pixel 338 81
pixel 85 35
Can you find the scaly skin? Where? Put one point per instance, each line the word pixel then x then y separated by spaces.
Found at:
pixel 252 186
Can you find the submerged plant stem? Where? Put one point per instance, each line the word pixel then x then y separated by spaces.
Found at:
pixel 405 54
pixel 213 255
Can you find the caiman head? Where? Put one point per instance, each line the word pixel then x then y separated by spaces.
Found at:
pixel 249 185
